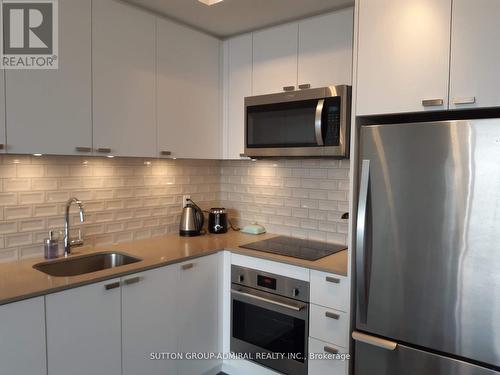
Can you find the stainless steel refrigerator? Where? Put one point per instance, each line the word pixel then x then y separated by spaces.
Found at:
pixel 428 249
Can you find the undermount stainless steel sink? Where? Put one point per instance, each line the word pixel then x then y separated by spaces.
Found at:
pixel 80 265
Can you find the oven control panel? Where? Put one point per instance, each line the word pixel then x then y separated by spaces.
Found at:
pixel 268 282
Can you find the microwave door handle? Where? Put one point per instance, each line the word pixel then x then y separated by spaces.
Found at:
pixel 361 241
pixel 317 122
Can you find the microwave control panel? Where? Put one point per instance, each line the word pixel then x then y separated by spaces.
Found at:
pixel 331 122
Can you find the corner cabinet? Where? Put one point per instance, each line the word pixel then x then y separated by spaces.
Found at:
pixel 49 111
pixel 475 54
pixel 148 321
pixel 197 313
pixel 124 79
pixel 22 338
pixel 403 56
pixel 188 92
pixel 84 330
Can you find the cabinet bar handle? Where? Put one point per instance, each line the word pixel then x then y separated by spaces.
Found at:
pixel 331 315
pixel 187 266
pixel 165 153
pixel 133 280
pixel 104 150
pixel 330 350
pixel 469 100
pixel 83 149
pixel 432 102
pixel 305 86
pixel 288 88
pixel 112 285
pixel 332 280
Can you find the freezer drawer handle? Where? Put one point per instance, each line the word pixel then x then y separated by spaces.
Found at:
pixel 375 341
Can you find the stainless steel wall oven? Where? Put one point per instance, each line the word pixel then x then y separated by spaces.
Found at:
pixel 270 319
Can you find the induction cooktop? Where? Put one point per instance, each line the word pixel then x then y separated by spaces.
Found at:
pixel 296 247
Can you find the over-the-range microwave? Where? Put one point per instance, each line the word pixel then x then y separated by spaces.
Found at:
pixel 303 123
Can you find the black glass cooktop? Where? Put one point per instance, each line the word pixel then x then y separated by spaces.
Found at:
pixel 295 247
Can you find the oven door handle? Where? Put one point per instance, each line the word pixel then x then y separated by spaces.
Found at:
pixel 273 302
pixel 317 122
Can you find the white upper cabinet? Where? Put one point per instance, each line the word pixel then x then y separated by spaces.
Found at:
pixel 325 49
pixel 275 59
pixel 403 56
pixel 149 321
pixel 123 44
pixel 238 85
pixel 49 111
pixel 84 330
pixel 22 338
pixel 475 54
pixel 188 92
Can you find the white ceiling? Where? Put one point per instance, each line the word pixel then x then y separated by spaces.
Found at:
pixel 231 17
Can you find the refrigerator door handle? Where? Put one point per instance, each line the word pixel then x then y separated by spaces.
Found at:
pixel 361 241
pixel 375 341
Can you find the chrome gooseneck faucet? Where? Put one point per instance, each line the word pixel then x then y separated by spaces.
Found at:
pixel 68 243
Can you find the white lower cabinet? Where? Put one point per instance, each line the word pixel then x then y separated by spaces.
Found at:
pixel 325 361
pixel 329 325
pixel 330 290
pixel 84 330
pixel 22 338
pixel 148 321
pixel 197 314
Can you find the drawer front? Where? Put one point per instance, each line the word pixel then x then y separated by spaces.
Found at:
pixel 330 290
pixel 329 325
pixel 325 366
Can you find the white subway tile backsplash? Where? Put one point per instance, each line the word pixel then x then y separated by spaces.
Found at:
pixel 28 170
pixel 8 199
pixel 17 212
pixel 8 171
pixel 300 198
pixel 45 210
pixel 16 184
pixel 20 239
pixel 133 198
pixel 8 227
pixel 44 184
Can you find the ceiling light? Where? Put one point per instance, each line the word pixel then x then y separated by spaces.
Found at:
pixel 110 156
pixel 37 155
pixel 210 2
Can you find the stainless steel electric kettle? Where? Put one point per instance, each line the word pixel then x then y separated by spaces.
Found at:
pixel 192 220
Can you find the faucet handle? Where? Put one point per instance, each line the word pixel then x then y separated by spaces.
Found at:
pixel 77 242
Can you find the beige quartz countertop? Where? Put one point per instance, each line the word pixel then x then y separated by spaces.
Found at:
pixel 18 280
